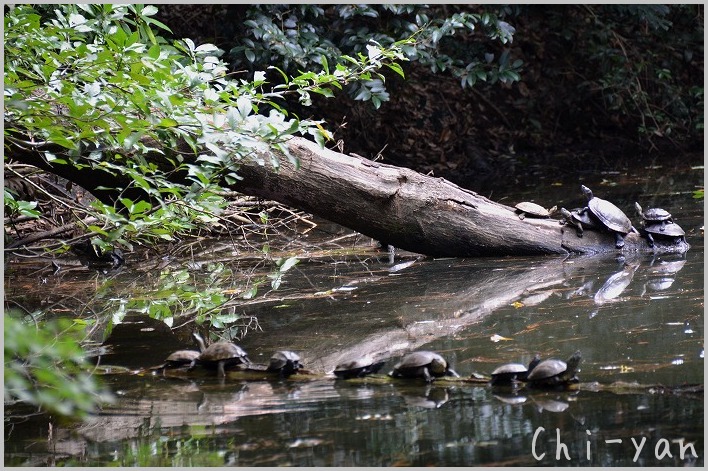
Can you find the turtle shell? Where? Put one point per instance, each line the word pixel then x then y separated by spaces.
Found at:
pixel 285 361
pixel 512 368
pixel 282 357
pixel 609 215
pixel 531 209
pixel 509 372
pixel 547 369
pixel 581 220
pixel 182 357
pixel 576 216
pixel 656 215
pixel 553 371
pixel 223 351
pixel 423 358
pixel 669 230
pixel 653 214
pixel 179 359
pixel 415 365
pixel 357 368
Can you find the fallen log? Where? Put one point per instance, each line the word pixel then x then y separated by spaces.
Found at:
pixel 394 205
pixel 415 212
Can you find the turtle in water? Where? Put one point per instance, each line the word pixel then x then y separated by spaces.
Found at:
pixel 654 216
pixel 527 208
pixel 422 364
pixel 554 372
pixel 179 359
pixel 511 372
pixel 220 355
pixel 285 363
pixel 609 215
pixel 357 368
pixel 581 221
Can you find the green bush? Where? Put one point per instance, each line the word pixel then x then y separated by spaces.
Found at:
pixel 94 86
pixel 461 40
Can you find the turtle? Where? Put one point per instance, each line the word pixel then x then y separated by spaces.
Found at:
pixel 284 362
pixel 654 216
pixel 221 354
pixel 179 359
pixel 553 372
pixel 91 256
pixel 527 208
pixel 357 368
pixel 581 221
pixel 422 364
pixel 609 215
pixel 663 231
pixel 510 372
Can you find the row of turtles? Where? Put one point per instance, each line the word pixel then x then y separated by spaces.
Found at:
pixel 223 354
pixel 539 373
pixel 423 364
pixel 601 214
pixel 419 364
pixel 430 365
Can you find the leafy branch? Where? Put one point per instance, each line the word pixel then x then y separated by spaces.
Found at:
pixel 94 86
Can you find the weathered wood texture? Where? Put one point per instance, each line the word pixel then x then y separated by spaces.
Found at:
pixel 415 212
pixel 394 205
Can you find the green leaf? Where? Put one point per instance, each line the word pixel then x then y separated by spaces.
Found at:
pixel 396 68
pixel 168 123
pixel 243 103
pixel 56 137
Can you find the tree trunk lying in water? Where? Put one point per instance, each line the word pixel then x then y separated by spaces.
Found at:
pixel 397 206
pixel 415 212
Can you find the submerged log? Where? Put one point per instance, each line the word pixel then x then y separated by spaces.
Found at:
pixel 476 379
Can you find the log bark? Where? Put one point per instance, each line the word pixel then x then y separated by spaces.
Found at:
pixel 395 205
pixel 415 212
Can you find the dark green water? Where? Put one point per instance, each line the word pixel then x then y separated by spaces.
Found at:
pixel 478 313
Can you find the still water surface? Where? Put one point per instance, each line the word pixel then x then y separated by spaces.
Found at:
pixel 636 319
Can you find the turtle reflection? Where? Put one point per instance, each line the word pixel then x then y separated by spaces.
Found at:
pixel 431 397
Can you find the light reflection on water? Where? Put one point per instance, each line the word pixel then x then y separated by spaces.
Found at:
pixel 646 325
pixel 342 424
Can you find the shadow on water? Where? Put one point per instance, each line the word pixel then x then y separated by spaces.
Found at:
pixel 635 319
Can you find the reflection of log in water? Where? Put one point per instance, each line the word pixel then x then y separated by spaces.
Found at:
pixel 435 300
pixel 431 300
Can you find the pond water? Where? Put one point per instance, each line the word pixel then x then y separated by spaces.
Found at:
pixel 637 319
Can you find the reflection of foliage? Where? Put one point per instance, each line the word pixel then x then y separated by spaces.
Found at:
pixel 155 448
pixel 211 293
pixel 45 366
